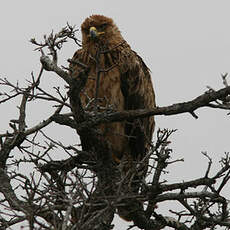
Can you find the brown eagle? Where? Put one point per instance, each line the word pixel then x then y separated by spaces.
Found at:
pixel 118 80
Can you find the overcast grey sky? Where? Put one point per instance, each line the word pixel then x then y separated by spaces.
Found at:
pixel 186 44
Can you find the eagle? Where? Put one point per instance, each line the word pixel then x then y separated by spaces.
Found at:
pixel 118 80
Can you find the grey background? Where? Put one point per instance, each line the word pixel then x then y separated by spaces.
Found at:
pixel 186 44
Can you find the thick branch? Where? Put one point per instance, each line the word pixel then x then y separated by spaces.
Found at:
pixel 185 107
pixel 188 184
pixel 178 196
pixel 49 65
pixel 68 164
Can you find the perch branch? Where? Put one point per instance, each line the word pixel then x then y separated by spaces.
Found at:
pixel 185 107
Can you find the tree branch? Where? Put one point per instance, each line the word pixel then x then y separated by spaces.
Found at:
pixel 185 107
pixel 50 65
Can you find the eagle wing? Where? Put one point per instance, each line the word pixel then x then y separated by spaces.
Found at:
pixel 137 88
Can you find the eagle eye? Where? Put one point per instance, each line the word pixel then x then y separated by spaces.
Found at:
pixel 103 26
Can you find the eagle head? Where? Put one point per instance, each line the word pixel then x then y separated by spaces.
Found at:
pixel 98 28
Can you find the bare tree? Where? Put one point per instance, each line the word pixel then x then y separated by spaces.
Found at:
pixel 86 189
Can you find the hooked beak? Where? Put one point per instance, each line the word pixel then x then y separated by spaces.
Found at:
pixel 93 33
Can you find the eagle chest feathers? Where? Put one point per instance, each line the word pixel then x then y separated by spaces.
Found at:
pixel 109 90
pixel 124 84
